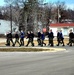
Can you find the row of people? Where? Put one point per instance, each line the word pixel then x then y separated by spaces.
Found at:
pixel 60 38
pixel 50 34
pixel 30 36
pixel 16 36
pixel 40 38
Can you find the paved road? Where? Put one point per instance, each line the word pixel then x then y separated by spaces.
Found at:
pixel 37 63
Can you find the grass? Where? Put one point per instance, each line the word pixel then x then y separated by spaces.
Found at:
pixel 35 42
pixel 26 49
pixel 23 49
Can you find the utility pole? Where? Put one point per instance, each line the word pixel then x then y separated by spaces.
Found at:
pixel 58 14
pixel 11 17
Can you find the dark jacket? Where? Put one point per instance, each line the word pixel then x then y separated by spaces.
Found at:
pixel 42 36
pixel 10 35
pixel 22 35
pixel 39 34
pixel 32 35
pixel 28 35
pixel 58 35
pixel 61 36
pixel 50 35
pixel 16 36
pixel 71 35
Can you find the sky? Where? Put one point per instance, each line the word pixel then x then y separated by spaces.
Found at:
pixel 69 3
pixel 2 3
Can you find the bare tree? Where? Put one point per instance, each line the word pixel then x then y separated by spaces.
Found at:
pixel 31 15
pixel 60 8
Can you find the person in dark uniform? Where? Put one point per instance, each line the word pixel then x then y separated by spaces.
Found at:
pixel 10 38
pixel 51 36
pixel 39 38
pixel 17 39
pixel 48 38
pixel 61 38
pixel 71 38
pixel 7 39
pixel 42 39
pixel 30 39
pixel 58 38
pixel 22 35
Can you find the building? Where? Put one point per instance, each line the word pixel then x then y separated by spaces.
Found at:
pixel 65 27
pixel 5 26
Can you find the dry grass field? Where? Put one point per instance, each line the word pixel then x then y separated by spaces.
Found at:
pixel 35 42
pixel 28 49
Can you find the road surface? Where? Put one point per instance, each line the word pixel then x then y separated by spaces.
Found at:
pixel 37 63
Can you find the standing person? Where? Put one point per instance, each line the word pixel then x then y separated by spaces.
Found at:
pixel 42 39
pixel 22 35
pixel 51 36
pixel 39 38
pixel 10 38
pixel 7 39
pixel 61 37
pixel 71 37
pixel 30 39
pixel 17 39
pixel 58 38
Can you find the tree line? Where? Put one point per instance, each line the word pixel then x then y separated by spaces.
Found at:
pixel 31 15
